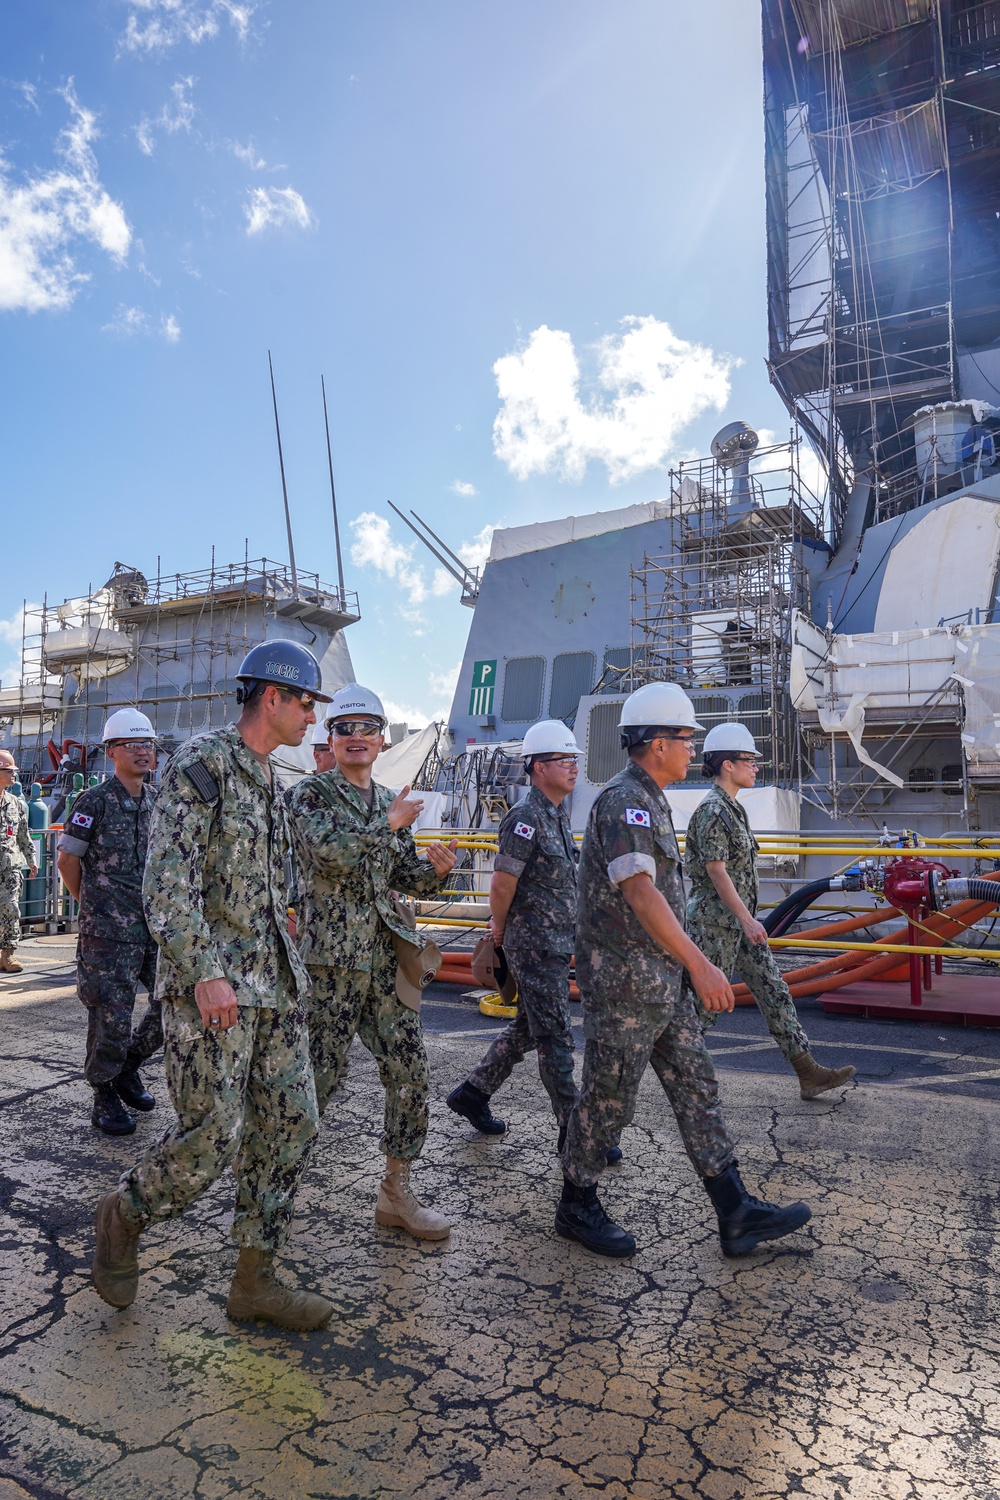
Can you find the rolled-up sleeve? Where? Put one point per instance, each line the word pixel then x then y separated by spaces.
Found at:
pixel 627 865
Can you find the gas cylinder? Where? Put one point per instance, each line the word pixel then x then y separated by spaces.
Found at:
pixel 38 824
pixel 72 795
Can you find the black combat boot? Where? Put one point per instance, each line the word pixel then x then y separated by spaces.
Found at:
pixel 132 1091
pixel 745 1221
pixel 612 1155
pixel 110 1114
pixel 580 1217
pixel 474 1106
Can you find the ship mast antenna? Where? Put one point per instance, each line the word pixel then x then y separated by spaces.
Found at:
pixel 284 487
pixel 333 497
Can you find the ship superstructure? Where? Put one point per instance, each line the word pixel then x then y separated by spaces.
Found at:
pixel 169 644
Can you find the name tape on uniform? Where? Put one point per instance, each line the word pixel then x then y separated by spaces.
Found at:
pixel 82 820
pixel 524 831
pixel 638 817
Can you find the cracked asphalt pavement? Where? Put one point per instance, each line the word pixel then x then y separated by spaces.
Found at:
pixel 856 1359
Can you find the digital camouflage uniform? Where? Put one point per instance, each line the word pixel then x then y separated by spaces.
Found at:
pixel 350 861
pixel 720 830
pixel 16 852
pixel 108 831
pixel 215 896
pixel 637 1007
pixel 536 846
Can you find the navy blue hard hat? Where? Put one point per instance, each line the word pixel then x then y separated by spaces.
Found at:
pixel 286 664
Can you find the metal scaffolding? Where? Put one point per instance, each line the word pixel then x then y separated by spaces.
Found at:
pixel 714 614
pixel 170 645
pixel 883 137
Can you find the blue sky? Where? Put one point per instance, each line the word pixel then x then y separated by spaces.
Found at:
pixel 523 243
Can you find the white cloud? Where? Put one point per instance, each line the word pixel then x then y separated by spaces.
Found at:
pixel 41 218
pixel 649 385
pixel 271 208
pixel 475 553
pixel 177 114
pixel 132 322
pixel 375 547
pixel 11 636
pixel 464 488
pixel 248 155
pixel 158 25
pixel 435 700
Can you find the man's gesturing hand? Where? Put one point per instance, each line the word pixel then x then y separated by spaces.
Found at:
pixel 216 1004
pixel 402 813
pixel 442 857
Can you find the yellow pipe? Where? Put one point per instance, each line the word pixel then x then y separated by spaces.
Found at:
pixel 873 948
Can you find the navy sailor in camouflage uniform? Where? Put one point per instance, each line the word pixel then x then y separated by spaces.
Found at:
pixel 636 967
pixel 102 852
pixel 234 994
pixel 354 849
pixel 17 852
pixel 720 857
pixel 532 917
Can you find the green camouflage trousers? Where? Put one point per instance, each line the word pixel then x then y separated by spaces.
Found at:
pixel 729 950
pixel 247 1094
pixel 352 1002
pixel 541 1025
pixel 632 1016
pixel 107 976
pixel 10 911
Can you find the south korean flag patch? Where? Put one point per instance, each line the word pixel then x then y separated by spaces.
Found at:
pixel 82 820
pixel 524 831
pixel 637 817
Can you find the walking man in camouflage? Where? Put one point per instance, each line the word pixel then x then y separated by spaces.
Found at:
pixel 720 857
pixel 631 956
pixel 233 990
pixel 354 849
pixel 102 852
pixel 16 852
pixel 532 917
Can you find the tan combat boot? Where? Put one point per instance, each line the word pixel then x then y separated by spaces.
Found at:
pixel 8 963
pixel 397 1208
pixel 256 1292
pixel 115 1267
pixel 815 1079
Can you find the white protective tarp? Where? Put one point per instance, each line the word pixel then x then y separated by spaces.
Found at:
pixel 771 809
pixel 902 670
pixel 977 668
pixel 515 541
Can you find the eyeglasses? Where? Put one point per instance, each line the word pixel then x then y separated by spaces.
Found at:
pixel 307 700
pixel 368 729
pixel 131 745
pixel 558 760
pixel 743 760
pixel 8 770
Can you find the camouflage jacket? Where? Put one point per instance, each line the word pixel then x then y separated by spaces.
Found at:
pixel 16 847
pixel 719 830
pixel 536 846
pixel 215 887
pixel 108 831
pixel 350 861
pixel 630 832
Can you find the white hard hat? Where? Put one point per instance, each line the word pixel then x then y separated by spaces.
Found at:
pixel 549 737
pixel 734 737
pixel 355 699
pixel 127 724
pixel 658 705
pixel 321 734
